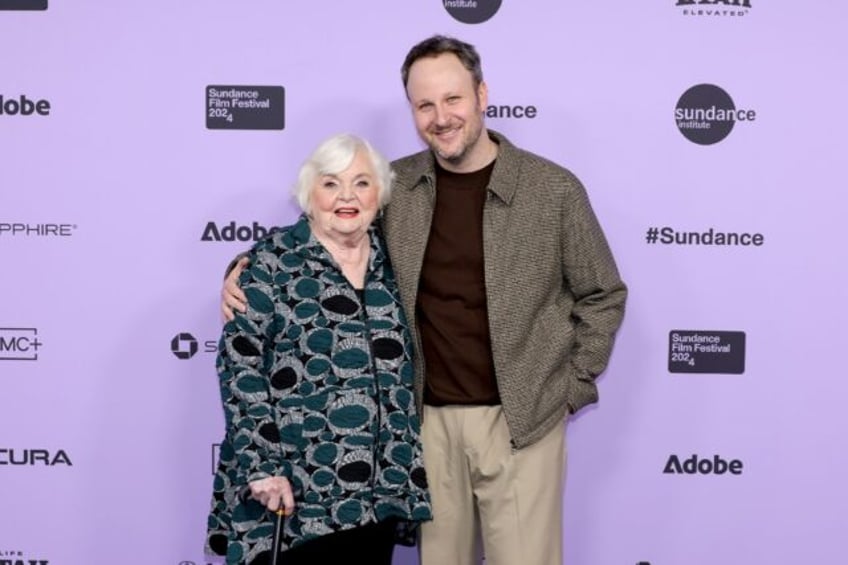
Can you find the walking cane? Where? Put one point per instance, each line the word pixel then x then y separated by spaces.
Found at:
pixel 278 532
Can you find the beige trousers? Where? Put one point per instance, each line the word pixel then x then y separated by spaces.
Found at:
pixel 483 491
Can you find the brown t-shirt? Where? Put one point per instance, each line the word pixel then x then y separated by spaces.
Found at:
pixel 451 308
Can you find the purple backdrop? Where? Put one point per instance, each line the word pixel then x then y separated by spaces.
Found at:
pixel 116 182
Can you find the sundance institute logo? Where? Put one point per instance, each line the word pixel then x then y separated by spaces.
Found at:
pixel 705 114
pixel 472 11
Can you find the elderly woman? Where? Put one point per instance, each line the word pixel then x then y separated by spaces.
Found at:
pixel 316 382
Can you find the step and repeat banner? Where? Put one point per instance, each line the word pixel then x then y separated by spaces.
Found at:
pixel 144 144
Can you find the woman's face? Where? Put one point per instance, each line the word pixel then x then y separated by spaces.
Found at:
pixel 345 204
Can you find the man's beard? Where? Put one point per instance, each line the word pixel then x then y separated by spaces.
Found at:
pixel 467 144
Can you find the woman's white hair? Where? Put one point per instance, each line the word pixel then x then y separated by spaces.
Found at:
pixel 333 156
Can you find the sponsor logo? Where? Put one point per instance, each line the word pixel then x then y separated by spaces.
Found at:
pixel 185 346
pixel 12 557
pixel 22 229
pixel 23 106
pixel 714 8
pixel 19 344
pixel 235 232
pixel 695 465
pixel 702 351
pixel 667 235
pixel 23 5
pixel 705 114
pixel 506 111
pixel 245 107
pixel 11 456
pixel 216 456
pixel 472 11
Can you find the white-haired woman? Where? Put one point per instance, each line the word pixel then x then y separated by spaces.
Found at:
pixel 316 382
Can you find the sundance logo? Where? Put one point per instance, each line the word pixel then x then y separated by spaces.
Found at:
pixel 245 107
pixel 506 111
pixel 695 465
pixel 235 232
pixel 11 456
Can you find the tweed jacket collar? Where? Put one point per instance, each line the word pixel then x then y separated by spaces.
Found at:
pixel 503 183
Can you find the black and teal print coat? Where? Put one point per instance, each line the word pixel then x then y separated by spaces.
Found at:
pixel 316 387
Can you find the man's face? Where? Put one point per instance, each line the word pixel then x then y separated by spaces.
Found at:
pixel 448 110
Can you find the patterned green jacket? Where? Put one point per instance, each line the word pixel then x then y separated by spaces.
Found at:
pixel 316 388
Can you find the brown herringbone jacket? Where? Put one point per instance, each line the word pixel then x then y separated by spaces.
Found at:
pixel 554 295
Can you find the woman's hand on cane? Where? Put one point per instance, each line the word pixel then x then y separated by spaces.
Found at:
pixel 274 493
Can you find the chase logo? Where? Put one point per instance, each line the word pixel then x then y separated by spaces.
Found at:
pixel 184 345
pixel 23 4
pixel 472 11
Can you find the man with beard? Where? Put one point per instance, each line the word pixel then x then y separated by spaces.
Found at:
pixel 513 299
